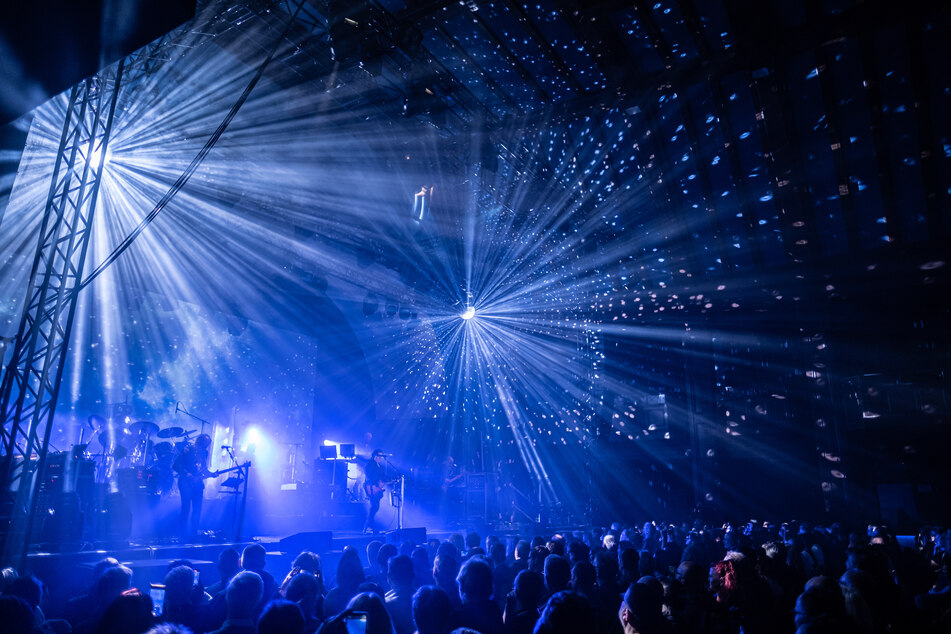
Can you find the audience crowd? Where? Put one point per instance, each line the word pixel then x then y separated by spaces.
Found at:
pixel 649 579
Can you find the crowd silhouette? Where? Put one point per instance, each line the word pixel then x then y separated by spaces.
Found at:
pixel 650 578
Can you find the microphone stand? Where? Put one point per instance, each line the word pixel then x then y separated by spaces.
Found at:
pixel 179 408
pixel 244 473
pixel 402 479
pixel 244 469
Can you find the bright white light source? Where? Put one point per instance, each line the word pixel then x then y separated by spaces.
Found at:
pixel 252 438
pixel 97 156
pixel 469 314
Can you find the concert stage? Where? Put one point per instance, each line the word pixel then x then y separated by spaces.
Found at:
pixel 637 262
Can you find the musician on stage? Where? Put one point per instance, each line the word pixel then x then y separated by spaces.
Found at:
pixel 373 485
pixel 192 469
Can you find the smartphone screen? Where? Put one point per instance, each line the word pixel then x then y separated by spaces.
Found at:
pixel 356 623
pixel 157 592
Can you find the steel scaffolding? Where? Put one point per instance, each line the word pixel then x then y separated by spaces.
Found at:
pixel 31 383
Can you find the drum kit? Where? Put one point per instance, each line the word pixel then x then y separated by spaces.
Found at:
pixel 139 447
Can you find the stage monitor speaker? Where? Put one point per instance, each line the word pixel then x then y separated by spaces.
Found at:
pixel 314 541
pixel 416 536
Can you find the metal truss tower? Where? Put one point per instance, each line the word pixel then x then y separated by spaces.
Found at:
pixel 31 383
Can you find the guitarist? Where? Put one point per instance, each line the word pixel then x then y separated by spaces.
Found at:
pixel 373 485
pixel 192 469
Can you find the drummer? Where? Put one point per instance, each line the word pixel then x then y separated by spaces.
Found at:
pixel 163 476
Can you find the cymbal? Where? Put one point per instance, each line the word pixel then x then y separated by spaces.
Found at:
pixel 118 436
pixel 171 432
pixel 96 422
pixel 143 428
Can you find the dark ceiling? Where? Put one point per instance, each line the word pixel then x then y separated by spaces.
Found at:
pixel 49 46
pixel 802 129
pixel 799 127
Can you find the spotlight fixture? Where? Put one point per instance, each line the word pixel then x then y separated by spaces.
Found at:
pixel 97 155
pixel 469 314
pixel 421 202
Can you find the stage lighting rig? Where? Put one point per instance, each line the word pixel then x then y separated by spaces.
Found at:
pixel 359 34
pixel 421 203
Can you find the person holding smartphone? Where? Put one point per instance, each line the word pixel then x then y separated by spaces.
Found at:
pixel 347 622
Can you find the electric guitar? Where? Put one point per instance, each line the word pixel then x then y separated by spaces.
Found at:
pixel 193 478
pixel 373 489
pixel 449 482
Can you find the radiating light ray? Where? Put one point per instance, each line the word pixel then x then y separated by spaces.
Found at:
pixel 215 303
